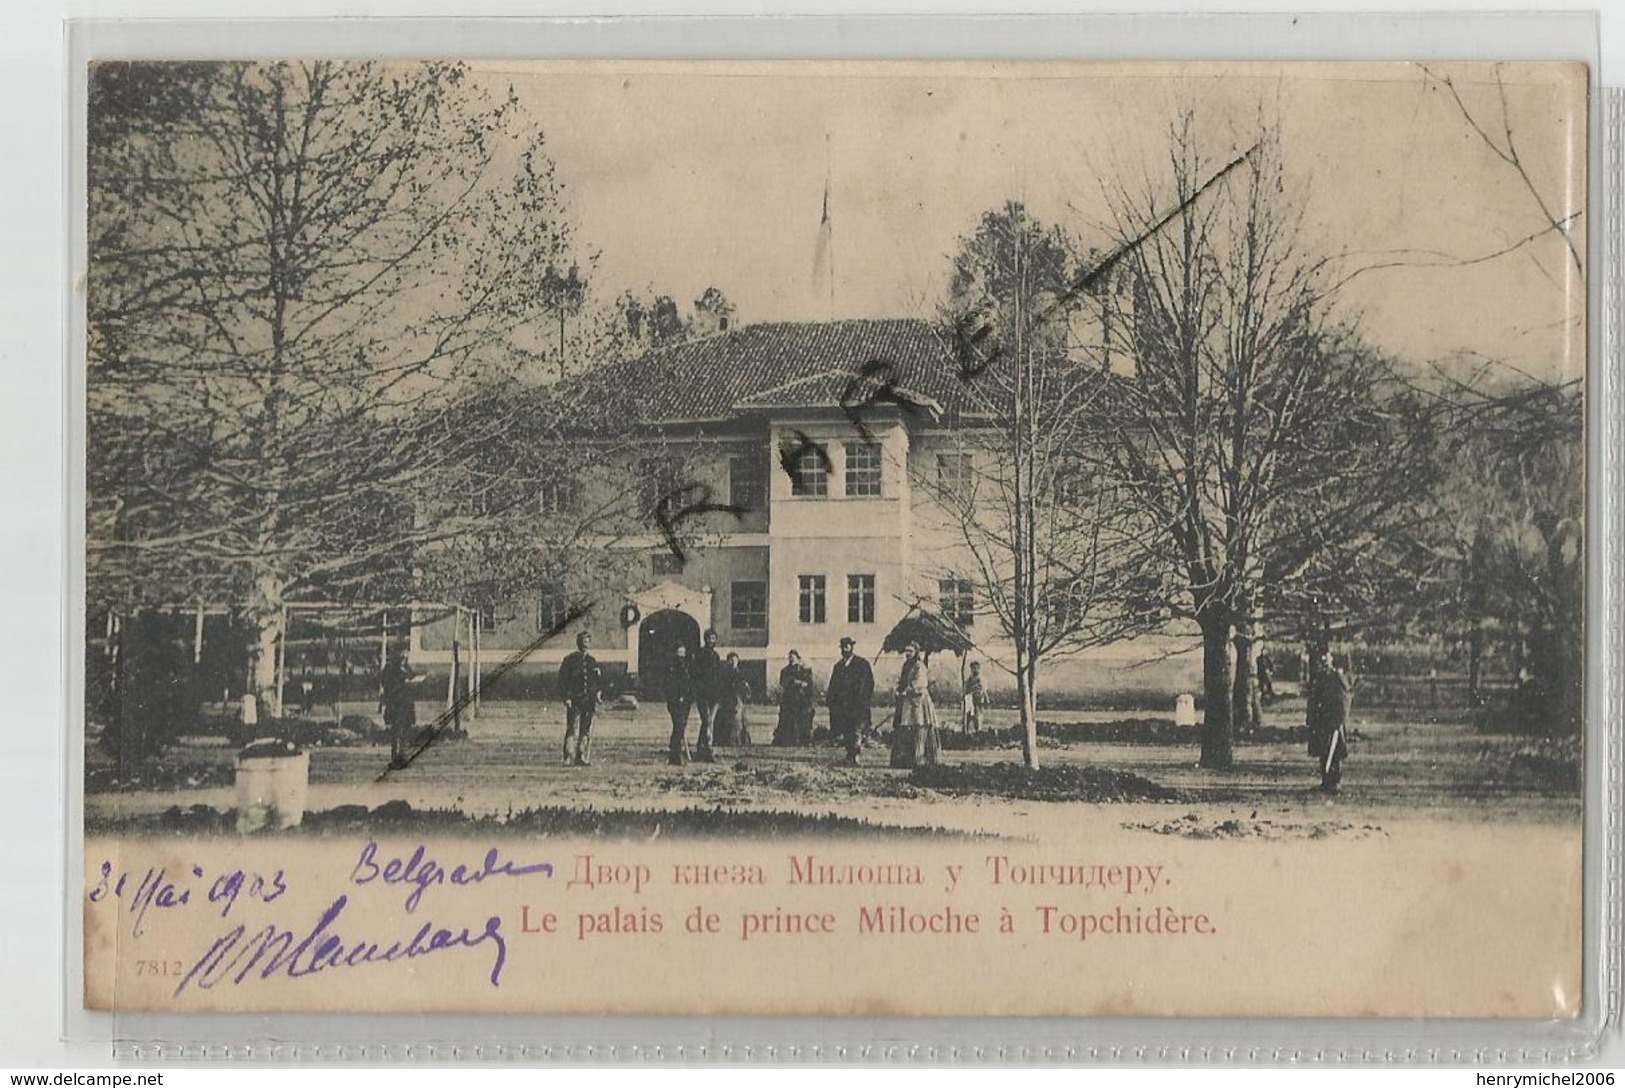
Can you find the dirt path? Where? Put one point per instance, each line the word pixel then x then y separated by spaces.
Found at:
pixel 1398 773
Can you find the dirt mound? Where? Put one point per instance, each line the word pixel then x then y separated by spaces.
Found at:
pixel 740 781
pixel 699 822
pixel 1095 784
pixel 1153 731
pixel 991 740
pixel 1193 826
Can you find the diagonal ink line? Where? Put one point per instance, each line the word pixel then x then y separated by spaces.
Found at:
pixel 439 726
pixel 1111 260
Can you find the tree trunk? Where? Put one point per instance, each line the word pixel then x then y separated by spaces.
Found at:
pixel 1027 696
pixel 1475 659
pixel 265 615
pixel 1216 691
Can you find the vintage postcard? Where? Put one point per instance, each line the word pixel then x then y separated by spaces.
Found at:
pixel 1065 539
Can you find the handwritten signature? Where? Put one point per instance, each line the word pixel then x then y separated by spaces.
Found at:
pixel 236 956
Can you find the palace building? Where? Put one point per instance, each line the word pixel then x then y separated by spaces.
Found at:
pixel 838 442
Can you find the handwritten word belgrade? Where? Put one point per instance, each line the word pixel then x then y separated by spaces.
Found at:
pixel 422 872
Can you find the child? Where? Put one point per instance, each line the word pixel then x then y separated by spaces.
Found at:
pixel 975 699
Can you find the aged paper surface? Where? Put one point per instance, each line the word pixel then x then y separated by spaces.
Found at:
pixel 488 464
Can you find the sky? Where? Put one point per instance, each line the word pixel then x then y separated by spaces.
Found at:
pixel 683 176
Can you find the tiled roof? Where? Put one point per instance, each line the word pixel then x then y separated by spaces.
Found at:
pixel 831 389
pixel 789 364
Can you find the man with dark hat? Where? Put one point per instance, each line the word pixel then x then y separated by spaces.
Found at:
pixel 581 685
pixel 396 699
pixel 850 695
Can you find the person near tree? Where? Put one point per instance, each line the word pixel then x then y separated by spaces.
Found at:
pixel 914 741
pixel 975 699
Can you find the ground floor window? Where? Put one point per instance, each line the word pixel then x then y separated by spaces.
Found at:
pixel 552 607
pixel 812 598
pixel 956 597
pixel 860 598
pixel 748 606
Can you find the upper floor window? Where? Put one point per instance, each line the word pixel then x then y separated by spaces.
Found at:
pixel 809 472
pixel 747 481
pixel 660 487
pixel 862 468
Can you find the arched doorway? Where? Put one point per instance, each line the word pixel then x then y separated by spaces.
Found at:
pixel 658 637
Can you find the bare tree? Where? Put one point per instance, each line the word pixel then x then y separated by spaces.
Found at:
pixel 1019 502
pixel 292 268
pixel 1268 451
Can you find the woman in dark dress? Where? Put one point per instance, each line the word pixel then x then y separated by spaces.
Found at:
pixel 798 699
pixel 732 691
pixel 679 701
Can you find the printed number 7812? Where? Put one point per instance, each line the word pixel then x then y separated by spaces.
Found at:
pixel 158 967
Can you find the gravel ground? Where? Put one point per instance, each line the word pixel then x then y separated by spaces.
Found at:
pixel 1136 769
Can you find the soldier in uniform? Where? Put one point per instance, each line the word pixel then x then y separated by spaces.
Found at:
pixel 850 695
pixel 708 693
pixel 581 686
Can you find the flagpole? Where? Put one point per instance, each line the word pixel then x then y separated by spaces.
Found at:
pixel 829 227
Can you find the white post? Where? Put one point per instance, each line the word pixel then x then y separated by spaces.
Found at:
pixel 197 637
pixel 281 666
pixel 451 675
pixel 479 626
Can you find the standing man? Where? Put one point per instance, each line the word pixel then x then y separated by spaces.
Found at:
pixel 581 686
pixel 679 698
pixel 1264 668
pixel 397 700
pixel 850 695
pixel 708 684
pixel 1328 717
